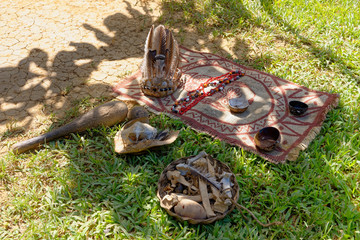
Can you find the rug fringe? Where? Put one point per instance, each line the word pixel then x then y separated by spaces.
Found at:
pixel 294 153
pixel 213 134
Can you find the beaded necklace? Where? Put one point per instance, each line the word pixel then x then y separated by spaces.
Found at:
pixel 195 96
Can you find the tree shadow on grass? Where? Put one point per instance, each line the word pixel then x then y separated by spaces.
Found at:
pixel 215 21
pixel 94 179
pixel 125 186
pixel 206 29
pixel 293 193
pixel 307 195
pixel 325 56
pixel 190 14
pixel 302 194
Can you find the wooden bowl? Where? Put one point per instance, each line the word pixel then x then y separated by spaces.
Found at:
pixel 238 105
pixel 219 169
pixel 267 138
pixel 297 108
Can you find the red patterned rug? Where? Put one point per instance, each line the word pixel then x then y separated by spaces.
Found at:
pixel 268 97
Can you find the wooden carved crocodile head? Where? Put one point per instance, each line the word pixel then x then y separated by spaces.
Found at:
pixel 160 73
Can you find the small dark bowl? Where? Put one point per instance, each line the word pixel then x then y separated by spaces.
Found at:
pixel 297 108
pixel 267 138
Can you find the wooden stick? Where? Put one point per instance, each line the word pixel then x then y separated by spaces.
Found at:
pixel 239 206
pixel 205 198
pixel 107 114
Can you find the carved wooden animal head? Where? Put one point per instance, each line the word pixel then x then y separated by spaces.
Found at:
pixel 160 73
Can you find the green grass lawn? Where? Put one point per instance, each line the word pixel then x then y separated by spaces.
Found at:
pixel 78 188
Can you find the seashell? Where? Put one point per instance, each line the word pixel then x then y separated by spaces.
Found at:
pixel 137 135
pixel 226 183
pixel 238 105
pixel 137 132
pixel 137 112
pixel 170 200
pixel 164 84
pixel 267 138
pixel 297 108
pixel 190 209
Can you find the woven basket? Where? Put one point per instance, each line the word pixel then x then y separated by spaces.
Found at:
pixel 220 167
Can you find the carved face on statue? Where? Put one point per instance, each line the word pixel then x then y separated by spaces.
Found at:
pixel 160 73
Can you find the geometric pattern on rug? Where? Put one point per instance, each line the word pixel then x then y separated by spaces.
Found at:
pixel 268 97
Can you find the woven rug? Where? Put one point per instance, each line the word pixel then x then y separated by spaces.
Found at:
pixel 268 97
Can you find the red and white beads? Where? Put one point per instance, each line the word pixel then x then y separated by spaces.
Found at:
pixel 195 96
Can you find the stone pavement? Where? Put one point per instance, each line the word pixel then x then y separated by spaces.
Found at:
pixel 54 52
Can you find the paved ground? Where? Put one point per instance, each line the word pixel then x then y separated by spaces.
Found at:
pixel 54 52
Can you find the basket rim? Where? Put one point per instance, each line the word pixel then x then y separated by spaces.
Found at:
pixel 191 220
